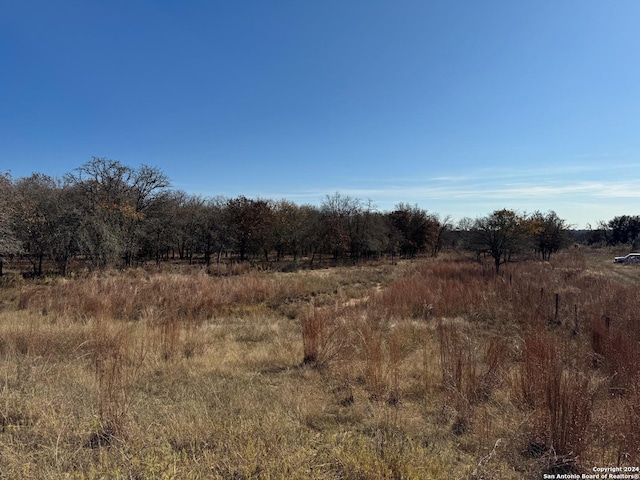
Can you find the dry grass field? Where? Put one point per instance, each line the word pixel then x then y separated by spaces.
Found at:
pixel 431 369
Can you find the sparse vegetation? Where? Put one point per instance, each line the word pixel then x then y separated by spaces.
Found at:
pixel 435 368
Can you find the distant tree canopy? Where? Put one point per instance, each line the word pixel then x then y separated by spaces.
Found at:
pixel 115 201
pixel 504 233
pixel 548 232
pixel 499 235
pixel 107 214
pixel 621 230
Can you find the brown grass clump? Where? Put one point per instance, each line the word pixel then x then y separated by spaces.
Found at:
pixel 324 335
pixel 470 368
pixel 560 400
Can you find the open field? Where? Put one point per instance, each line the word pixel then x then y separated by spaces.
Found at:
pixel 434 368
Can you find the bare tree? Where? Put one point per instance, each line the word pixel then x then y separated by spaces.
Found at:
pixel 35 219
pixel 116 198
pixel 499 234
pixel 368 232
pixel 441 232
pixel 337 214
pixel 249 222
pixel 9 244
pixel 215 235
pixel 294 227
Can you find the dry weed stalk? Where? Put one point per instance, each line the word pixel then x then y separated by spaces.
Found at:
pixel 117 356
pixel 539 356
pixel 395 358
pixel 630 441
pixel 470 369
pixel 563 398
pixel 373 348
pixel 324 335
pixel 569 404
pixel 169 337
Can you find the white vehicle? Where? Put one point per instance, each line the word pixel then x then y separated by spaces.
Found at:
pixel 631 258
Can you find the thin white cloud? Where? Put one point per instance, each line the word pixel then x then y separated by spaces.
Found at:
pixel 532 190
pixel 497 173
pixel 583 194
pixel 477 190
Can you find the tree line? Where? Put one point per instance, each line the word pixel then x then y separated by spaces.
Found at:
pixel 620 230
pixel 105 213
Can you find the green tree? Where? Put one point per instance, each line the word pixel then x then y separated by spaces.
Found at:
pixel 549 233
pixel 624 229
pixel 418 229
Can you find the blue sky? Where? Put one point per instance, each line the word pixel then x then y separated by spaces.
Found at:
pixel 461 107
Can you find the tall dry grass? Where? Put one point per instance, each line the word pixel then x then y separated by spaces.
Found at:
pixel 564 329
pixel 471 368
pixel 186 297
pixel 325 334
pixel 439 369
